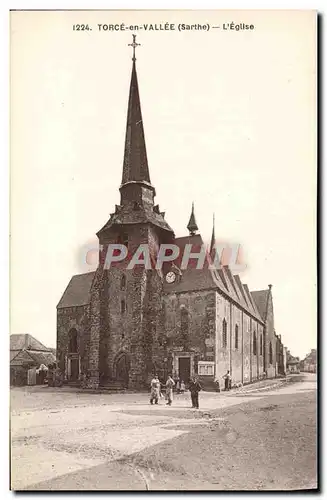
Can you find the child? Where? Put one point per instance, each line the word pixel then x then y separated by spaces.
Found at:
pixel 182 387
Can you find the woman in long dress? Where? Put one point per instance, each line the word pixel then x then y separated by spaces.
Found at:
pixel 155 390
pixel 169 390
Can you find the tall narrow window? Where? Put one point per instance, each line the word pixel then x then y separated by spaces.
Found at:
pixel 72 340
pixel 270 353
pixel 123 306
pixel 184 321
pixel 224 333
pixel 236 336
pixel 254 344
pixel 261 345
pixel 123 282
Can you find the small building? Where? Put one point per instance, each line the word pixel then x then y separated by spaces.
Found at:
pixel 309 364
pixel 280 356
pixel 292 363
pixel 29 360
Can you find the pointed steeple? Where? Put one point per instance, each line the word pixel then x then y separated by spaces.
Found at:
pixel 192 225
pixel 135 167
pixel 136 191
pixel 213 236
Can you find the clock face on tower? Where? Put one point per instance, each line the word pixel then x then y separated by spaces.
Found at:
pixel 170 277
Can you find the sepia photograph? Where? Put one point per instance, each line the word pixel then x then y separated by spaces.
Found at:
pixel 163 280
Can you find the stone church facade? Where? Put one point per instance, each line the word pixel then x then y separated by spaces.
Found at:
pixel 117 327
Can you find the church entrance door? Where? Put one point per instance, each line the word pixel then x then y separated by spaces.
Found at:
pixel 122 369
pixel 184 369
pixel 74 369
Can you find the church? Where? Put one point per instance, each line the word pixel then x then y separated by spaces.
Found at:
pixel 117 327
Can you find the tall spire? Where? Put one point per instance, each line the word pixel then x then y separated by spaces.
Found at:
pixel 135 167
pixel 192 225
pixel 213 236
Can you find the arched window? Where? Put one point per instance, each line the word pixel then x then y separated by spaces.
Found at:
pixel 254 344
pixel 122 306
pixel 270 353
pixel 236 336
pixel 261 345
pixel 123 282
pixel 72 347
pixel 224 333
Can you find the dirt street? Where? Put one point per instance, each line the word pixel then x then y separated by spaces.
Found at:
pixel 258 437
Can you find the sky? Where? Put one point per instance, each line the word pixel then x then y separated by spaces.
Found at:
pixel 230 123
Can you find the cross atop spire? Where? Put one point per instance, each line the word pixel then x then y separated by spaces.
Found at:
pixel 134 44
pixel 192 225
pixel 135 166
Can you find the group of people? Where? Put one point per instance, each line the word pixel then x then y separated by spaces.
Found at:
pixel 194 387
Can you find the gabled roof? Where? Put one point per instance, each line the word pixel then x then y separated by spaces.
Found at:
pixel 45 358
pixel 25 341
pixel 260 298
pixel 242 293
pixel 222 279
pixel 34 358
pixel 232 286
pixel 13 354
pixel 77 292
pixel 253 306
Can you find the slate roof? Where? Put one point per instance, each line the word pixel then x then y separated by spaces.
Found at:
pixel 260 298
pixel 77 292
pixel 35 358
pixel 13 354
pixel 25 341
pixel 200 279
pixel 125 215
pixel 24 348
pixel 45 358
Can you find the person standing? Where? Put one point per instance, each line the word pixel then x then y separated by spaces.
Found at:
pixel 195 388
pixel 169 390
pixel 227 378
pixel 155 390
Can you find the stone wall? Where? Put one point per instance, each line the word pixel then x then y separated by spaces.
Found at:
pixel 238 356
pixel 131 309
pixel 270 338
pixel 247 356
pixel 68 318
pixel 196 332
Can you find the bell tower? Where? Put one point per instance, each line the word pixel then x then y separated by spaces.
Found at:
pixel 127 301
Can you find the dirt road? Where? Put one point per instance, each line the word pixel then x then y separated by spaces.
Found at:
pixel 255 438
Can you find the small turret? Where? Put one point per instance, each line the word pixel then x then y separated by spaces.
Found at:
pixel 192 225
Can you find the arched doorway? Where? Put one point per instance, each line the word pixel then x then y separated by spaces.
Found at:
pixel 122 367
pixel 73 356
